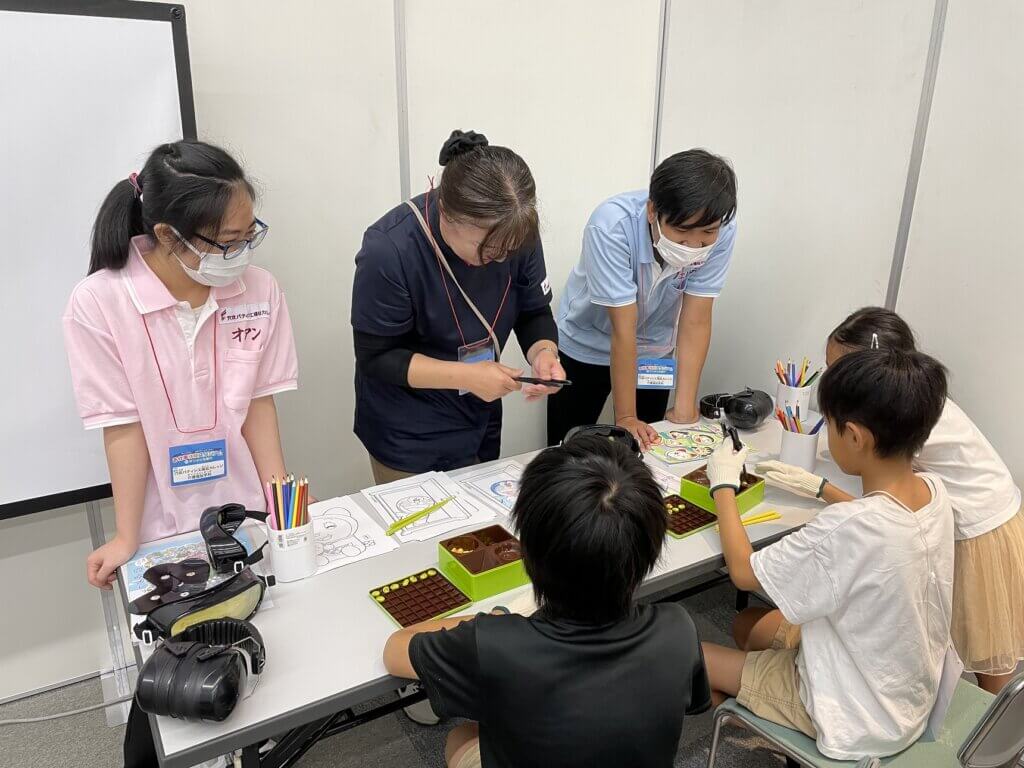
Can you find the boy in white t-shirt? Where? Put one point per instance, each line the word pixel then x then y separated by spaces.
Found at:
pixel 854 653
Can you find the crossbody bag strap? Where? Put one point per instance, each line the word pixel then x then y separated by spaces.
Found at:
pixel 447 267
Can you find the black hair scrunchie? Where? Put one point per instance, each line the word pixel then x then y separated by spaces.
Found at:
pixel 459 143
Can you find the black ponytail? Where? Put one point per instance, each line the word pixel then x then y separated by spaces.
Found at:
pixel 869 325
pixel 187 184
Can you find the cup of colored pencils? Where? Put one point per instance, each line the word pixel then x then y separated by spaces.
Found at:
pixel 289 529
pixel 795 381
pixel 799 441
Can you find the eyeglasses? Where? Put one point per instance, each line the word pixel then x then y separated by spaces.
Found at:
pixel 228 250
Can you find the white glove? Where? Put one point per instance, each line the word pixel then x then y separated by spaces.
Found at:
pixel 524 604
pixel 793 479
pixel 725 466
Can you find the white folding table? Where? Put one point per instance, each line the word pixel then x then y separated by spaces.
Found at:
pixel 324 635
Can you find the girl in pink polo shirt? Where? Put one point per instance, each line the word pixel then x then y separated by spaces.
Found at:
pixel 177 346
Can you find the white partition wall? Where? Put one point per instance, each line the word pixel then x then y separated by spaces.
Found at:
pixel 568 85
pixel 306 95
pixel 815 104
pixel 961 286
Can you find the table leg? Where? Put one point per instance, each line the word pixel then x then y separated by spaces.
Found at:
pixel 118 683
pixel 251 756
pixel 742 600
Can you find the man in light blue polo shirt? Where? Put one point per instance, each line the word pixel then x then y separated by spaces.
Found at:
pixel 635 315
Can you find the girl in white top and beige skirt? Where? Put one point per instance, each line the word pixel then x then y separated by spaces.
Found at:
pixel 988 588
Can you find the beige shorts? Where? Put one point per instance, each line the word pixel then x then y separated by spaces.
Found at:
pixel 770 682
pixel 469 757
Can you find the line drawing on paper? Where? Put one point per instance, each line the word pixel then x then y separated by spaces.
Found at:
pixel 397 503
pixel 344 533
pixel 337 537
pixel 496 485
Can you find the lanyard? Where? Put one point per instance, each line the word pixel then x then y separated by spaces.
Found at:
pixel 443 265
pixel 167 394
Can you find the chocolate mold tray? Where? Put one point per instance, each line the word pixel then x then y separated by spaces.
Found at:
pixel 418 597
pixel 694 488
pixel 686 519
pixel 483 563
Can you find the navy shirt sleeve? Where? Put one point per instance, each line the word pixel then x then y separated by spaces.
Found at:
pixel 381 303
pixel 531 280
pixel 448 666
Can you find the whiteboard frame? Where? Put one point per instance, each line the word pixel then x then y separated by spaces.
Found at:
pixel 115 9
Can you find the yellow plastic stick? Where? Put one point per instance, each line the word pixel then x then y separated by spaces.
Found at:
pixel 400 524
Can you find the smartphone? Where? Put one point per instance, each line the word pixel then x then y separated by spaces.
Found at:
pixel 545 382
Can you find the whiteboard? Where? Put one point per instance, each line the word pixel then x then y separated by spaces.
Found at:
pixel 960 289
pixel 85 100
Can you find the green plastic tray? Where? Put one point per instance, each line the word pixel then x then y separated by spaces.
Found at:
pixel 486 566
pixel 698 492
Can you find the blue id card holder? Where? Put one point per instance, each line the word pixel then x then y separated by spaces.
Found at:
pixel 478 352
pixel 655 373
pixel 198 462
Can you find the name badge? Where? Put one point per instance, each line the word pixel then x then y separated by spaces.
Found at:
pixel 198 462
pixel 655 373
pixel 480 352
pixel 243 313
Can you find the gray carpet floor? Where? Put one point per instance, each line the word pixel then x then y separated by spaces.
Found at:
pixel 393 740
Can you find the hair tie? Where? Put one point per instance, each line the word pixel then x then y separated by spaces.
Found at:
pixel 459 143
pixel 133 179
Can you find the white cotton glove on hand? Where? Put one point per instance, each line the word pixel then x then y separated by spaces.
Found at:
pixel 725 466
pixel 793 479
pixel 524 604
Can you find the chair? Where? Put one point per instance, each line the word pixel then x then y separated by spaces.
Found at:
pixel 980 731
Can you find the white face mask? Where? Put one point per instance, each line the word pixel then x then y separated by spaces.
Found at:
pixel 214 270
pixel 677 255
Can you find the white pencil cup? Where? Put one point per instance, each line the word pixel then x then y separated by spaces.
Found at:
pixel 799 449
pixel 793 397
pixel 293 551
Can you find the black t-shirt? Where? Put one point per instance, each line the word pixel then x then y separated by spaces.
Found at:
pixel 399 290
pixel 559 695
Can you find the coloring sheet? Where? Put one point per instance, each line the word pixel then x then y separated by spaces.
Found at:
pixel 345 534
pixel 172 550
pixel 668 482
pixel 397 500
pixel 497 485
pixel 687 444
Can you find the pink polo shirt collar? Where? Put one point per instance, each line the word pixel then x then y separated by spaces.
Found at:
pixel 148 292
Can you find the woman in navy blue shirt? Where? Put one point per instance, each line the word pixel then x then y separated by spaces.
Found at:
pixel 441 281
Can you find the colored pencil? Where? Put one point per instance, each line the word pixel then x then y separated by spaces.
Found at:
pixel 812 378
pixel 278 505
pixel 818 425
pixel 782 419
pixel 271 519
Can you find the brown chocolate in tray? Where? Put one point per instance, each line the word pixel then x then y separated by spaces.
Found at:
pixel 424 595
pixel 700 476
pixel 483 550
pixel 684 517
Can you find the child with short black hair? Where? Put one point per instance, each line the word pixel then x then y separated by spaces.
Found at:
pixel 988 587
pixel 591 678
pixel 854 653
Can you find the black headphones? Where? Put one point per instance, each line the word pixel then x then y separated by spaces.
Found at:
pixel 202 673
pixel 218 526
pixel 744 410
